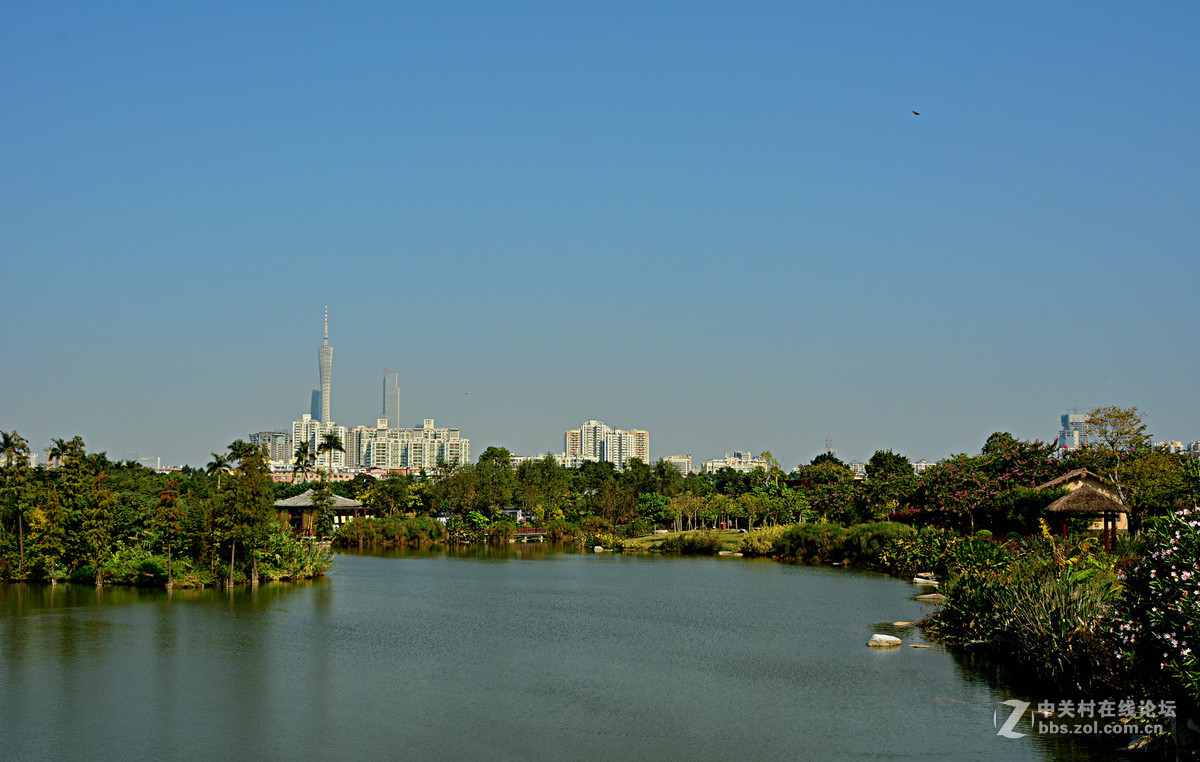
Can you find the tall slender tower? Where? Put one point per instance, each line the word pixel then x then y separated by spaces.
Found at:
pixel 391 397
pixel 325 357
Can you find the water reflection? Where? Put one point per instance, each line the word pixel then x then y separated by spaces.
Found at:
pixel 482 653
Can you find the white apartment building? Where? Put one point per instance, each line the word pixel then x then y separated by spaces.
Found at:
pixel 682 462
pixel 740 460
pixel 307 429
pixel 594 440
pixel 416 448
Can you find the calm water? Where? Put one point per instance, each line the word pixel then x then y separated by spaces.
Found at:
pixel 509 655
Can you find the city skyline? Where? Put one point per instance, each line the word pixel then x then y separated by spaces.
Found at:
pixel 731 232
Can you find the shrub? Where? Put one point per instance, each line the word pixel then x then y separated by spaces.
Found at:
pixel 761 542
pixel 865 543
pixel 605 540
pixel 1049 606
pixel 393 531
pixel 943 552
pixel 705 543
pixel 500 532
pixel 561 531
pixel 816 541
pixel 1159 632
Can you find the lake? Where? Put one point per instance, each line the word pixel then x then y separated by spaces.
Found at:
pixel 512 653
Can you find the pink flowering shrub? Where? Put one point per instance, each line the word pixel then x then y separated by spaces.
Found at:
pixel 1158 623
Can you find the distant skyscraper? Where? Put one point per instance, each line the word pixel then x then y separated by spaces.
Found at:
pixel 1073 433
pixel 593 440
pixel 325 357
pixel 391 398
pixel 315 408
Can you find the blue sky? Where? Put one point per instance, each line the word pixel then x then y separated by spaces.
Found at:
pixel 719 222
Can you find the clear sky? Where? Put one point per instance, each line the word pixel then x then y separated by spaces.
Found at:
pixel 717 221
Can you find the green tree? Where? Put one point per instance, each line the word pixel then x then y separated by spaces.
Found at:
pixel 774 470
pixel 496 481
pixel 330 443
pixel 218 466
pixel 638 477
pixel 48 528
pixel 388 496
pixel 97 523
pixel 169 520
pixel 828 457
pixel 998 442
pixel 1115 436
pixel 250 505
pixel 302 460
pixel 15 449
pixel 885 464
pixel 322 500
pixel 668 479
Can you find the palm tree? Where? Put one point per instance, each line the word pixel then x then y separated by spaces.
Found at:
pixel 16 450
pixel 58 448
pixel 330 443
pixel 302 460
pixel 218 465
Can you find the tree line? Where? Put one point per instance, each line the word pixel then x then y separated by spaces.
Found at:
pixel 84 515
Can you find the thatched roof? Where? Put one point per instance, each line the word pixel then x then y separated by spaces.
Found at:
pixel 1086 500
pixel 1078 474
pixel 305 500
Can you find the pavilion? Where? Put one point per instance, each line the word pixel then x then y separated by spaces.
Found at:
pixel 299 511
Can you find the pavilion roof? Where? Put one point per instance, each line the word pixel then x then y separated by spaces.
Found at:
pixel 1078 474
pixel 1086 500
pixel 305 500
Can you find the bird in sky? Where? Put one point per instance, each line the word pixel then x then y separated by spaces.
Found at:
pixel 918 113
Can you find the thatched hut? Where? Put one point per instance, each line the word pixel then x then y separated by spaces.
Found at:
pixel 299 511
pixel 1086 500
pixel 1081 477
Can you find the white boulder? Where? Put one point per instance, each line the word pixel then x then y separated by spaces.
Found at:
pixel 883 641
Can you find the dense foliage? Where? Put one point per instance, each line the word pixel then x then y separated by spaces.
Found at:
pixel 88 519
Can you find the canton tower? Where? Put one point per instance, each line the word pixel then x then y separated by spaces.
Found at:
pixel 325 356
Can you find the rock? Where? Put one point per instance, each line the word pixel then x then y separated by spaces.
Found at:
pixel 925 575
pixel 883 641
pixel 924 581
pixel 902 624
pixel 918 645
pixel 598 549
pixel 931 598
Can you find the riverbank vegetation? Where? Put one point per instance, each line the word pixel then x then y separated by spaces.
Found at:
pixel 1074 612
pixel 89 519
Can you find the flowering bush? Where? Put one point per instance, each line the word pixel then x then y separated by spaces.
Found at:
pixel 1159 626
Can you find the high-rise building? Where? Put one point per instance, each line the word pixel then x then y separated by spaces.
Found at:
pixel 325 359
pixel 741 460
pixel 682 462
pixel 594 440
pixel 278 445
pixel 639 442
pixel 1073 434
pixel 391 398
pixel 572 446
pixel 591 439
pixel 313 432
pixel 426 447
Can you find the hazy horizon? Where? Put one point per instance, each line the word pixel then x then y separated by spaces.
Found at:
pixel 720 223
